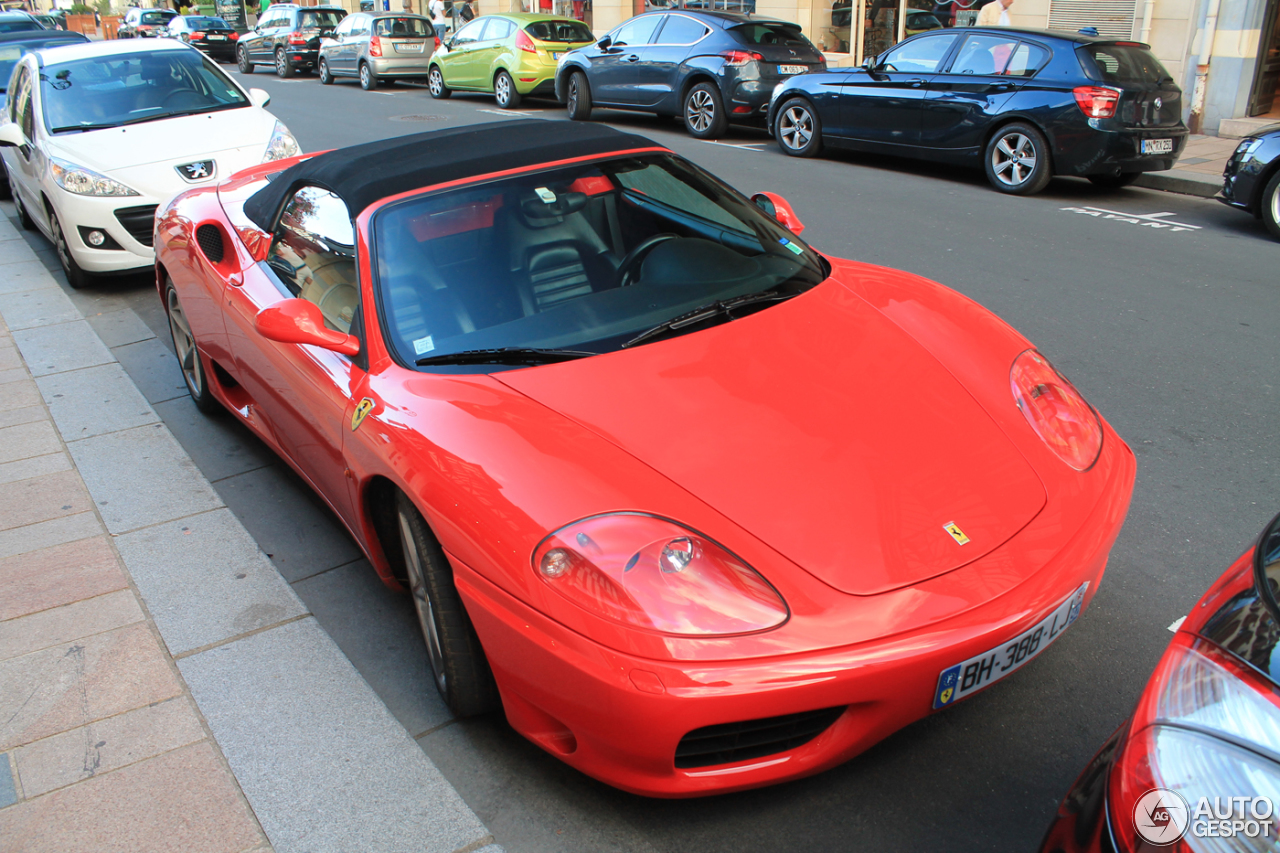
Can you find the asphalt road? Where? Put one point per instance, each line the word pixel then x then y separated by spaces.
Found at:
pixel 1161 322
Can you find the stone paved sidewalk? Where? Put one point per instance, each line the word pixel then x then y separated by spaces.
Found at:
pixel 101 746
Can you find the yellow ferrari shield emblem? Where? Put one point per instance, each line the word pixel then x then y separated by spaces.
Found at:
pixel 363 408
pixel 952 529
pixel 946 696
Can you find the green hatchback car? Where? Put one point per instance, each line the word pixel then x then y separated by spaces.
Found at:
pixel 509 55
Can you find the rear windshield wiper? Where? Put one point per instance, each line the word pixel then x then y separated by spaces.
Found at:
pixel 721 307
pixel 504 355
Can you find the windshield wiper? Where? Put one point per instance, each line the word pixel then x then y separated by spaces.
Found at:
pixel 146 118
pixel 504 355
pixel 721 307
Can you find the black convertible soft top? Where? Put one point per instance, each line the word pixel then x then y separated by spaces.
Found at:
pixel 364 174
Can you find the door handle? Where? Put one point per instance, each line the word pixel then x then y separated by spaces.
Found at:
pixel 916 83
pixel 633 58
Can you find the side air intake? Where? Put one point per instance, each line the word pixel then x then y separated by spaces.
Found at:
pixel 211 243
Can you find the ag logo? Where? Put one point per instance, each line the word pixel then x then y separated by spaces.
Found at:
pixel 1161 816
pixel 363 408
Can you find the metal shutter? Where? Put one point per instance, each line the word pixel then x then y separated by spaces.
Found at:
pixel 1113 18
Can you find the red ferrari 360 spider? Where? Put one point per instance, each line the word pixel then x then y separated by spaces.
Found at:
pixel 699 507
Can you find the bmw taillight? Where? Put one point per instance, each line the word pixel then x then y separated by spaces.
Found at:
pixel 233 35
pixel 1097 101
pixel 197 36
pixel 524 42
pixel 1055 410
pixel 737 58
pixel 651 573
pixel 375 46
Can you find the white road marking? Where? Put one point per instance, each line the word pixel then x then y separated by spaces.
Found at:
pixel 747 147
pixel 1148 220
pixel 510 113
pixel 1173 629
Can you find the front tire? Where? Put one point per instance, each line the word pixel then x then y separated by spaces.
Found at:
pixel 76 277
pixel 1017 160
pixel 24 218
pixel 704 115
pixel 458 665
pixel 284 68
pixel 1114 182
pixel 325 77
pixel 242 61
pixel 504 91
pixel 184 346
pixel 1270 205
pixel 368 80
pixel 798 128
pixel 579 97
pixel 435 84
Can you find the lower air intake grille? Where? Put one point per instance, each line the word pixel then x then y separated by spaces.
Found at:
pixel 210 240
pixel 731 742
pixel 138 221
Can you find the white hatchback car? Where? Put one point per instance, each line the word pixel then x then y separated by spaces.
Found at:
pixel 96 136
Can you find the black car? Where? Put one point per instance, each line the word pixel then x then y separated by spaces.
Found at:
pixel 288 38
pixel 16 22
pixel 708 67
pixel 212 36
pixel 1251 180
pixel 1023 104
pixel 145 23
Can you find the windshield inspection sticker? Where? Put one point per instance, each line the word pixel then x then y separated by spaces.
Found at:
pixel 1157 221
pixel 546 195
pixel 423 345
pixel 792 246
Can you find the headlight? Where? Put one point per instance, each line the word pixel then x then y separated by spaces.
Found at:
pixel 282 145
pixel 651 573
pixel 1055 410
pixel 1247 147
pixel 82 181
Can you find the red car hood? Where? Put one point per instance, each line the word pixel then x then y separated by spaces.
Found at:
pixel 820 427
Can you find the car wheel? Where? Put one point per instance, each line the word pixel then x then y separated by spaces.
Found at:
pixel 579 97
pixel 184 346
pixel 458 664
pixel 504 91
pixel 325 77
pixel 24 218
pixel 284 69
pixel 798 129
pixel 242 61
pixel 76 277
pixel 435 84
pixel 368 80
pixel 1270 205
pixel 1114 182
pixel 1017 160
pixel 704 115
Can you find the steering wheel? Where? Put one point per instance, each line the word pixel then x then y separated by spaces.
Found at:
pixel 636 255
pixel 196 99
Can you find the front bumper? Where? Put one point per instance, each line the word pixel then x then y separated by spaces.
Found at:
pixel 134 252
pixel 619 718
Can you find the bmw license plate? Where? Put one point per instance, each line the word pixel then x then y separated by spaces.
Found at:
pixel 957 682
pixel 1157 146
pixel 792 69
pixel 217 38
pixel 415 47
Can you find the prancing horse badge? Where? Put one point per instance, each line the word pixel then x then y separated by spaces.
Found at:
pixel 363 408
pixel 951 527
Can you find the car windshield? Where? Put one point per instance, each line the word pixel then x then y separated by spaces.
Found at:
pixel 155 18
pixel 109 91
pixel 565 32
pixel 1123 63
pixel 319 20
pixel 757 34
pixel 403 27
pixel 203 23
pixel 585 258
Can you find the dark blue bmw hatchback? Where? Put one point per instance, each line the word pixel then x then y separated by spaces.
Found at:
pixel 1025 105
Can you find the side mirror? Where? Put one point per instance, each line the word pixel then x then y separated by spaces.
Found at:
pixel 11 136
pixel 869 63
pixel 604 42
pixel 297 321
pixel 1266 567
pixel 259 97
pixel 777 207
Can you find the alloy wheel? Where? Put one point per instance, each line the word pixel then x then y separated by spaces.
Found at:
pixel 364 76
pixel 796 127
pixel 573 95
pixel 701 111
pixel 60 245
pixel 422 603
pixel 1274 204
pixel 185 345
pixel 502 89
pixel 1013 159
pixel 434 81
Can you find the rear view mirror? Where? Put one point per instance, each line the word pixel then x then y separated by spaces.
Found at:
pixel 777 207
pixel 11 136
pixel 297 321
pixel 1266 567
pixel 259 97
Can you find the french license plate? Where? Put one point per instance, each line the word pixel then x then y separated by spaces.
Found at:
pixel 217 38
pixel 409 48
pixel 792 69
pixel 1157 146
pixel 957 682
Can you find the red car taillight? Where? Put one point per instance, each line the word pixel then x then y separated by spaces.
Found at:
pixel 736 58
pixel 524 42
pixel 197 36
pixel 375 46
pixel 298 38
pixel 437 42
pixel 233 35
pixel 1097 101
pixel 1055 410
pixel 651 573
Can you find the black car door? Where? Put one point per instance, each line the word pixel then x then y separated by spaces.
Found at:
pixel 613 72
pixel 883 104
pixel 262 45
pixel 658 73
pixel 962 102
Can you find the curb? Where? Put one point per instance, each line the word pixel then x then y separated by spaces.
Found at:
pixel 1173 182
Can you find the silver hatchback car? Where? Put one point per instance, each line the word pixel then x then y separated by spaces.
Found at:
pixel 378 47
